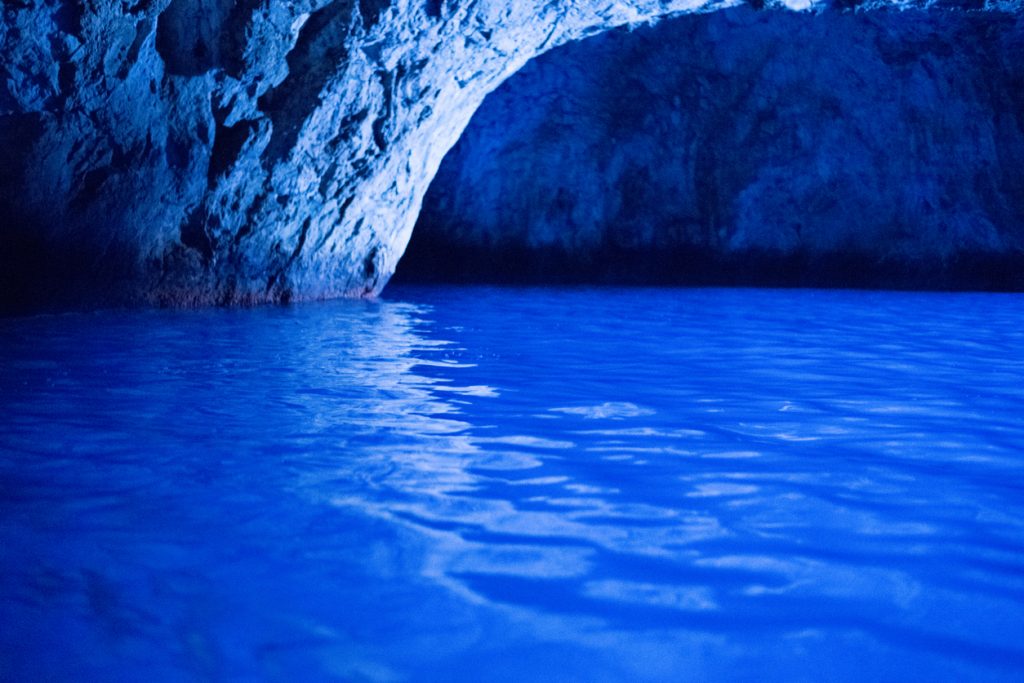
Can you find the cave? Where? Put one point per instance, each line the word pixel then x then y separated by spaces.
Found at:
pixel 209 152
pixel 666 387
pixel 204 152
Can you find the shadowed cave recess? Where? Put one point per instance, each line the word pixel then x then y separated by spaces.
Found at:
pixel 857 149
pixel 189 152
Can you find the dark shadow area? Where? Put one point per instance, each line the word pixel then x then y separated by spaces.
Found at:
pixel 434 262
pixel 40 276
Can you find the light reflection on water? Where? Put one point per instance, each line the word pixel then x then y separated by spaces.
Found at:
pixel 460 483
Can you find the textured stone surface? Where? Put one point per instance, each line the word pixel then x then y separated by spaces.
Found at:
pixel 202 151
pixel 197 151
pixel 872 148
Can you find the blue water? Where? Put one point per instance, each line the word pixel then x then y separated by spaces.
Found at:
pixel 512 484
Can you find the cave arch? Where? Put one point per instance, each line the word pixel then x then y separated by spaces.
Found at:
pixel 404 93
pixel 189 152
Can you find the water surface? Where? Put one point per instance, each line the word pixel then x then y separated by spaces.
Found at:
pixel 502 484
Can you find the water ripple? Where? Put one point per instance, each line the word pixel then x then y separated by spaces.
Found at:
pixel 470 481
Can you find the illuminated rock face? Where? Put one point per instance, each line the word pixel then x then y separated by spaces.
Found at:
pixel 869 149
pixel 201 151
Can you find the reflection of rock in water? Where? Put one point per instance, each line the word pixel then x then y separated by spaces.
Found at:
pixel 757 147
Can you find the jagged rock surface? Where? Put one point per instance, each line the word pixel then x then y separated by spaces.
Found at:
pixel 872 149
pixel 202 151
pixel 198 151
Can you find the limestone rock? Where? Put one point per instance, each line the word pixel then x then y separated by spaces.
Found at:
pixel 201 151
pixel 198 151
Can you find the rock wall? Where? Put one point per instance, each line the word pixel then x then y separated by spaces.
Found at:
pixel 220 151
pixel 869 148
pixel 199 151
